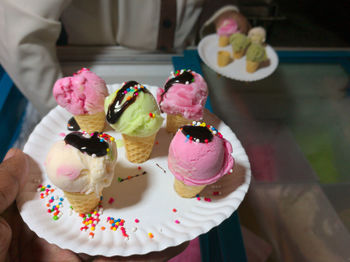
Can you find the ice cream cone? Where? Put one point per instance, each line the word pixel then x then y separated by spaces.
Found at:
pixel 224 58
pixel 138 149
pixel 251 66
pixel 82 203
pixel 187 191
pixel 238 55
pixel 223 40
pixel 91 123
pixel 174 122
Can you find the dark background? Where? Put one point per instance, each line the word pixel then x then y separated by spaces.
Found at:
pixel 301 23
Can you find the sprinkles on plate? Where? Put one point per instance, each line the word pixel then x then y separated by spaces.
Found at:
pixel 54 203
pixel 90 220
pixel 117 223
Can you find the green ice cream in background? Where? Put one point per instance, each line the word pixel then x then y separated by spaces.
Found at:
pixel 256 53
pixel 132 110
pixel 239 42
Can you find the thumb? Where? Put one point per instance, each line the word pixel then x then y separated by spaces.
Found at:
pixel 13 171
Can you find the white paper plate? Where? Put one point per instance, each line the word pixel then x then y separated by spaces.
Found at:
pixel 150 198
pixel 208 48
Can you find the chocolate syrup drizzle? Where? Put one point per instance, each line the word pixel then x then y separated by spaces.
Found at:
pixel 116 109
pixel 91 146
pixel 72 125
pixel 186 76
pixel 198 132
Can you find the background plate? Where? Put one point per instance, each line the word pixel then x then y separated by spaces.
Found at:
pixel 150 198
pixel 208 48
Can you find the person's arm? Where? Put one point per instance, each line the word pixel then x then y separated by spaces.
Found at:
pixel 28 34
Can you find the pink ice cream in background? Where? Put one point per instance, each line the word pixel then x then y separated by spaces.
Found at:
pixel 197 163
pixel 187 99
pixel 81 94
pixel 228 27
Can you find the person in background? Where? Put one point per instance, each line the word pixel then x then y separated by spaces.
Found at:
pixel 30 29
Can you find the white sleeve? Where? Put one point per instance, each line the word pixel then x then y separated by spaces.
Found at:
pixel 29 31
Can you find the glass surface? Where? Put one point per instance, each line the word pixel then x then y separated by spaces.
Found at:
pixel 295 128
pixel 304 105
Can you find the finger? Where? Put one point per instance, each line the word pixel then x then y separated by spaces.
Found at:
pixel 13 171
pixel 41 250
pixel 5 238
pixel 21 234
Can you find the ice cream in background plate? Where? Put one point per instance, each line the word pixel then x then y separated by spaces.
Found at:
pixel 239 43
pixel 82 166
pixel 257 35
pixel 133 111
pixel 227 28
pixel 182 98
pixel 83 96
pixel 256 54
pixel 198 156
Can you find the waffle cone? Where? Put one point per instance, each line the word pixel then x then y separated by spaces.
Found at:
pixel 251 66
pixel 82 203
pixel 174 122
pixel 224 58
pixel 138 149
pixel 223 40
pixel 238 55
pixel 187 191
pixel 91 123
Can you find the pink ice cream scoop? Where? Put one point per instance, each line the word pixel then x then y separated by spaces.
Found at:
pixel 81 94
pixel 228 27
pixel 199 155
pixel 184 93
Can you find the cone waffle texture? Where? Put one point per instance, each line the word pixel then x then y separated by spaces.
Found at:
pixel 251 66
pixel 187 191
pixel 223 40
pixel 224 58
pixel 174 122
pixel 91 123
pixel 138 149
pixel 238 55
pixel 82 203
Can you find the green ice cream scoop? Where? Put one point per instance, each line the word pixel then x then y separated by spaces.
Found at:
pixel 132 110
pixel 256 53
pixel 239 42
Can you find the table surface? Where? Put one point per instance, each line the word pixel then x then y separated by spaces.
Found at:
pixel 295 128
